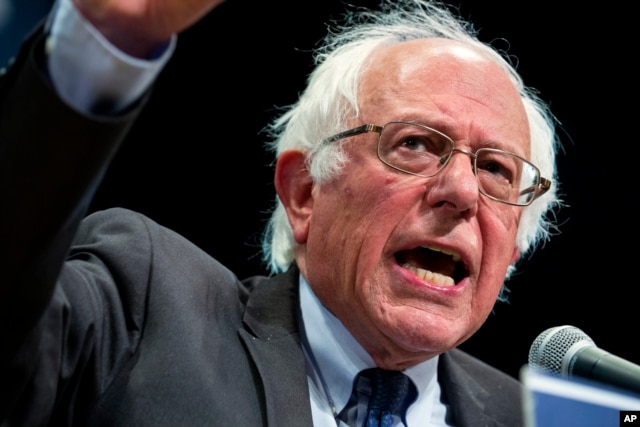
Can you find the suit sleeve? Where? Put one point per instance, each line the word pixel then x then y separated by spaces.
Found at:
pixel 52 159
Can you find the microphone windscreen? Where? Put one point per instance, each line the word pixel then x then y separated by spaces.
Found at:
pixel 551 350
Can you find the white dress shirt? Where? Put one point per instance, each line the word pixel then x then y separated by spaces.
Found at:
pixel 334 358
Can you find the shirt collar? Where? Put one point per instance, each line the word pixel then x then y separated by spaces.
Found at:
pixel 337 357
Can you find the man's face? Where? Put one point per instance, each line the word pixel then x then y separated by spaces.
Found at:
pixel 368 232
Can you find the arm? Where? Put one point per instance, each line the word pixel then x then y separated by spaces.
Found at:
pixel 52 158
pixel 51 161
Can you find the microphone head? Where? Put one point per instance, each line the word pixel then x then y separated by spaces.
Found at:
pixel 553 350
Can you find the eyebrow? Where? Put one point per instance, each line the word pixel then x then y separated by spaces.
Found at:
pixel 449 128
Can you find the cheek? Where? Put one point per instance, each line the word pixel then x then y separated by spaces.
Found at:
pixel 377 206
pixel 365 194
pixel 353 219
pixel 499 227
pixel 498 222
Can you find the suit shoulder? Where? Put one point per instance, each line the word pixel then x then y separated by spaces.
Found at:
pixel 479 394
pixel 480 370
pixel 131 239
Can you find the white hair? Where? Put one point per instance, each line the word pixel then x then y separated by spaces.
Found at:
pixel 330 102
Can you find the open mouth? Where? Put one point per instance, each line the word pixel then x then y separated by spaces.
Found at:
pixel 435 265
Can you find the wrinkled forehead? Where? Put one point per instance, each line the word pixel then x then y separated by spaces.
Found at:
pixel 435 61
pixel 445 77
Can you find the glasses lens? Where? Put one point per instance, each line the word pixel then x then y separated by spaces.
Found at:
pixel 422 151
pixel 413 148
pixel 506 177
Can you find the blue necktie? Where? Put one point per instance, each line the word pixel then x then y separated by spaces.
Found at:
pixel 389 395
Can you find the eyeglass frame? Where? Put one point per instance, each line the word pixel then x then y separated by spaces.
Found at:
pixel 543 185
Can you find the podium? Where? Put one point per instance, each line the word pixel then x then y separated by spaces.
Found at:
pixel 553 401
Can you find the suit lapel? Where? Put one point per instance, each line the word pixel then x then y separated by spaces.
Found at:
pixel 272 339
pixel 271 336
pixel 467 398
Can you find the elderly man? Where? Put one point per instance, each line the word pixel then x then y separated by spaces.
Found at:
pixel 411 176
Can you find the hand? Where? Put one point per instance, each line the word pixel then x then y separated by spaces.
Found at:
pixel 137 27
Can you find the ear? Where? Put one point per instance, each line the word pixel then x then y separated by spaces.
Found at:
pixel 516 255
pixel 294 184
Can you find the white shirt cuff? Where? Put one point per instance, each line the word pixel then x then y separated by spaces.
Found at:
pixel 91 74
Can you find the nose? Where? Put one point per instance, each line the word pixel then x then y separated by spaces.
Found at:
pixel 455 187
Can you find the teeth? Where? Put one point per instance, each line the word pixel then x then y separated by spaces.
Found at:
pixel 430 276
pixel 456 256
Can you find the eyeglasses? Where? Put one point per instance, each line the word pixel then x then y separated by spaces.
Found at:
pixel 422 151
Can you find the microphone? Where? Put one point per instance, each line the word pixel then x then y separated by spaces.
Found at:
pixel 567 351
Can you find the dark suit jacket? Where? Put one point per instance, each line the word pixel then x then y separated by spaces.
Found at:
pixel 134 325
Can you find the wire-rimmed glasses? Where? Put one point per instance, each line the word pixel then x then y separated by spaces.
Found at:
pixel 419 150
